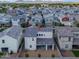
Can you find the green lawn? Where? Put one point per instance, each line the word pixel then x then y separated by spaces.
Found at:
pixel 76 53
pixel 1 54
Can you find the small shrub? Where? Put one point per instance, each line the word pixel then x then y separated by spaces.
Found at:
pixel 1 54
pixel 11 52
pixel 26 55
pixel 39 55
pixel 52 55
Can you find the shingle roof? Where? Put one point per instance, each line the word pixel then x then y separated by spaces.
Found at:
pixel 47 29
pixel 64 31
pixel 32 31
pixel 75 29
pixel 13 32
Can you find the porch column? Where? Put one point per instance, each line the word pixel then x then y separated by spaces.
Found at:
pixel 53 47
pixel 46 47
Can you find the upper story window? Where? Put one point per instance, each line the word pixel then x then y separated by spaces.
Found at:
pixel 40 35
pixel 37 34
pixel 3 41
pixel 66 46
pixel 32 39
pixel 76 34
pixel 60 37
pixel 69 38
pixel 30 46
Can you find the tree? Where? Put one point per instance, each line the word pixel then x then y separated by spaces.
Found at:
pixel 53 55
pixel 11 52
pixel 43 22
pixel 77 24
pixel 26 55
pixel 39 55
pixel 10 23
pixel 25 24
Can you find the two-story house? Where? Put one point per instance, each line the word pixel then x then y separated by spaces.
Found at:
pixel 10 39
pixel 68 37
pixel 65 38
pixel 39 38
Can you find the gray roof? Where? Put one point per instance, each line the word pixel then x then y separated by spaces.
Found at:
pixel 32 31
pixel 2 34
pixel 75 29
pixel 44 41
pixel 13 32
pixel 46 29
pixel 64 31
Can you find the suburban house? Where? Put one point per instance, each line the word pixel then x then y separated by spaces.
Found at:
pixel 36 19
pixel 10 39
pixel 65 38
pixel 68 37
pixel 75 31
pixel 50 19
pixel 5 20
pixel 67 20
pixel 39 38
pixel 46 11
pixel 17 20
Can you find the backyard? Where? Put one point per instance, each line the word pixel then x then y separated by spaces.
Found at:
pixel 1 54
pixel 76 53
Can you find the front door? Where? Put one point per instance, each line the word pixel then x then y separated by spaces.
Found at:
pixel 4 49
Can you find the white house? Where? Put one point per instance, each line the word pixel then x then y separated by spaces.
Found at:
pixel 10 39
pixel 50 18
pixel 5 19
pixel 36 19
pixel 65 38
pixel 39 38
pixel 15 21
pixel 68 37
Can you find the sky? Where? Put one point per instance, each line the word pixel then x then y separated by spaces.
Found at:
pixel 71 0
pixel 64 0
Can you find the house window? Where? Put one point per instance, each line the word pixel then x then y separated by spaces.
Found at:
pixel 37 35
pixel 60 37
pixel 69 38
pixel 66 46
pixel 30 46
pixel 77 34
pixel 40 34
pixel 32 39
pixel 3 41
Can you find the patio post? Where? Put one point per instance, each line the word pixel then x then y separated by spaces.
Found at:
pixel 46 47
